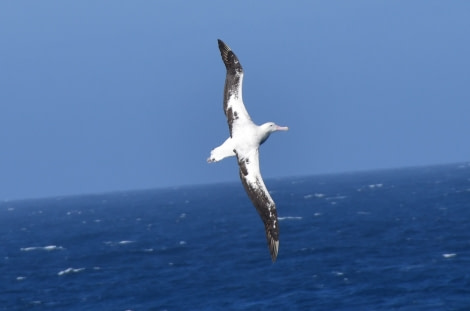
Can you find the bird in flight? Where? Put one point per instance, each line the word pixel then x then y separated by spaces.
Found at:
pixel 243 143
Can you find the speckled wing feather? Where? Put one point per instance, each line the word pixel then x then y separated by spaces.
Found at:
pixel 234 108
pixel 253 182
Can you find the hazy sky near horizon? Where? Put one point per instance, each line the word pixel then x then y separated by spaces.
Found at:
pixel 101 96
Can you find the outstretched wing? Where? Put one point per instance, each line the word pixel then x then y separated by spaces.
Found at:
pixel 234 108
pixel 253 182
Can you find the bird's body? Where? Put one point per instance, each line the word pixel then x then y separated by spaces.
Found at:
pixel 244 141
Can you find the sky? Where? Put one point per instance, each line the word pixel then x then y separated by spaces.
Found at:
pixel 99 96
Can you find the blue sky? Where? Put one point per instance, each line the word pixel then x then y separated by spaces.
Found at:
pixel 100 96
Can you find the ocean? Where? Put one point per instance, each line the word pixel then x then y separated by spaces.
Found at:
pixel 381 240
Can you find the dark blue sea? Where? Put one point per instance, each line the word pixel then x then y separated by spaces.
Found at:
pixel 381 240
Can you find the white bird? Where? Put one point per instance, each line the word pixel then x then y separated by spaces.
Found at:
pixel 244 141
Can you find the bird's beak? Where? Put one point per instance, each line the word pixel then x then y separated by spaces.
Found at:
pixel 282 128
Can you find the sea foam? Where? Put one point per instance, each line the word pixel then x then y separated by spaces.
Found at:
pixel 44 248
pixel 289 218
pixel 70 270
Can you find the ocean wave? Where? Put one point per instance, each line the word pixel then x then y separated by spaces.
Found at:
pixel 289 218
pixel 315 195
pixel 126 242
pixel 43 248
pixel 70 270
pixel 114 243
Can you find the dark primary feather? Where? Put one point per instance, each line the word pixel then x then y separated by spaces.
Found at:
pixel 263 203
pixel 232 81
pixel 230 59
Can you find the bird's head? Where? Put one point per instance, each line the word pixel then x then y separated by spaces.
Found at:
pixel 270 127
pixel 273 127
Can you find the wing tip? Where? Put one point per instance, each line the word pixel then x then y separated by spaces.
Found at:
pixel 223 46
pixel 229 58
pixel 274 249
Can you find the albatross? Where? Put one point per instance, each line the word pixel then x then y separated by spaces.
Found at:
pixel 243 143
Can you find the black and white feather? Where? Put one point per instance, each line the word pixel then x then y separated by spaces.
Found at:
pixel 244 141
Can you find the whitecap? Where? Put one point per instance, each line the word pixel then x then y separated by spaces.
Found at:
pixel 27 249
pixel 20 278
pixel 44 248
pixel 315 195
pixel 125 242
pixel 52 247
pixel 449 255
pixel 182 242
pixel 70 270
pixel 289 218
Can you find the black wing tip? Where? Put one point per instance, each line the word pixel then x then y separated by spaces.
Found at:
pixel 229 58
pixel 224 49
pixel 222 45
pixel 273 249
pixel 272 236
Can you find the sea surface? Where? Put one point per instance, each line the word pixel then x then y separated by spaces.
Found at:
pixel 380 240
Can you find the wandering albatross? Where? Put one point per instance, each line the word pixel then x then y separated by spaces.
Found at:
pixel 244 141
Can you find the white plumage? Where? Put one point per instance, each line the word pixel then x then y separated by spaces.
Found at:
pixel 244 141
